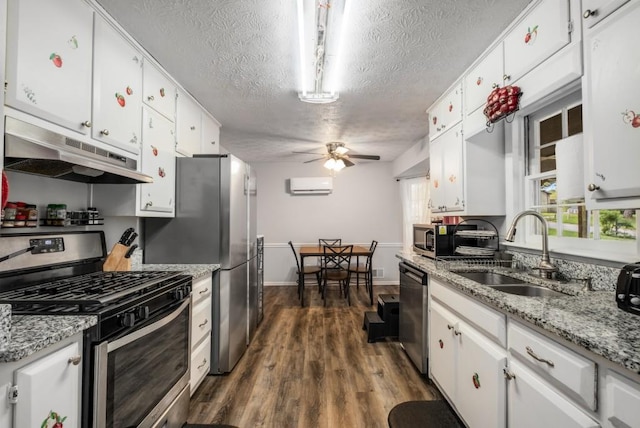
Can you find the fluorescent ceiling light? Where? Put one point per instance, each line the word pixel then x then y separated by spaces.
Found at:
pixel 321 29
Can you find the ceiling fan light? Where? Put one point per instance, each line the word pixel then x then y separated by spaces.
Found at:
pixel 330 163
pixel 339 165
pixel 341 150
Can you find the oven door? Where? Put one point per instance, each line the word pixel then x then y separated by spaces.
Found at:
pixel 138 376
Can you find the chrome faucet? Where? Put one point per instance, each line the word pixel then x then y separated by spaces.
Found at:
pixel 547 269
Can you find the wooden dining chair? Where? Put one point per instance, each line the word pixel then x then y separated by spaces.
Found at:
pixel 364 269
pixel 306 270
pixel 335 268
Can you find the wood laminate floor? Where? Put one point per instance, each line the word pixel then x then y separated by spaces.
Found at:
pixel 312 367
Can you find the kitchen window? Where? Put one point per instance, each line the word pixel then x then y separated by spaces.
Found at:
pixel 555 186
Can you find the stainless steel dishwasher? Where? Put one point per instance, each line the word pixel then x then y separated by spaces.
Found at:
pixel 413 315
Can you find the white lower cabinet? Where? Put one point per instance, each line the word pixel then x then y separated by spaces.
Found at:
pixel 622 402
pixel 469 369
pixel 44 388
pixel 534 404
pixel 200 330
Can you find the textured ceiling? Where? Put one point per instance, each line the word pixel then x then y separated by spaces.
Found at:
pixel 239 59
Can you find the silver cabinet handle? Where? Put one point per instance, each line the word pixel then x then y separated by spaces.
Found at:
pixel 587 13
pixel 105 132
pixel 86 124
pixel 593 187
pixel 150 98
pixel 203 324
pixel 508 374
pixel 536 357
pixel 204 291
pixel 75 360
pixel 193 128
pixel 204 363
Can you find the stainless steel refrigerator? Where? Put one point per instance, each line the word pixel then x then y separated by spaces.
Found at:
pixel 215 223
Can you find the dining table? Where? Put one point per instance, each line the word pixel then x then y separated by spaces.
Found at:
pixel 318 251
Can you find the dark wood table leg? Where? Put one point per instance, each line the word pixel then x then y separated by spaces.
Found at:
pixel 371 283
pixel 301 281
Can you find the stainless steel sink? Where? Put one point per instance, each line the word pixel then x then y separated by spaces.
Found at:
pixel 510 285
pixel 490 278
pixel 527 290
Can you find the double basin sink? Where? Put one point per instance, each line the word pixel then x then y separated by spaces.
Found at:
pixel 510 285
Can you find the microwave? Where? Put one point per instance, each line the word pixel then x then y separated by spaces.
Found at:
pixel 437 240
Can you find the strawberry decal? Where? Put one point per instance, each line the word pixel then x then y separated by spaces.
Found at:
pixel 53 420
pixel 154 149
pixel 120 99
pixel 436 184
pixel 161 172
pixel 450 107
pixel 162 92
pixel 452 178
pixel 56 59
pixel 435 120
pixel 479 81
pixel 129 90
pixel 441 343
pixel 476 380
pixel 531 35
pixel 630 117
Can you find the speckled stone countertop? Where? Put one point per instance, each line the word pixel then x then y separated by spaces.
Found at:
pixel 197 271
pixel 31 333
pixel 590 319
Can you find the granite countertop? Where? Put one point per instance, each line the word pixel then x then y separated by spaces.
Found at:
pixel 589 319
pixel 31 333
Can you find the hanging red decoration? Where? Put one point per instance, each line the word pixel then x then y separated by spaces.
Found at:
pixel 501 102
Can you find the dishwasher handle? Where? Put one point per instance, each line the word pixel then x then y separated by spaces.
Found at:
pixel 413 273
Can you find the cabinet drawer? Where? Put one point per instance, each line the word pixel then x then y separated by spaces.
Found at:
pixel 623 401
pixel 492 322
pixel 200 363
pixel 200 322
pixel 201 289
pixel 566 369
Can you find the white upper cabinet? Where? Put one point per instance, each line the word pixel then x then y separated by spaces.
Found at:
pixel 159 92
pixel 612 110
pixel 481 80
pixel 210 135
pixel 593 11
pixel 189 126
pixel 446 113
pixel 117 89
pixel 447 173
pixel 540 34
pixel 157 199
pixel 49 51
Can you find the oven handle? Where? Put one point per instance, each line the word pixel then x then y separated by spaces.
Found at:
pixel 101 358
pixel 125 340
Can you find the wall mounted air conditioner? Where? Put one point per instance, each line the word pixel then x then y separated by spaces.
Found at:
pixel 311 185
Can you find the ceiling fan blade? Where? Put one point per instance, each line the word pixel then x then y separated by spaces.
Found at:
pixel 370 157
pixel 313 160
pixel 347 162
pixel 308 153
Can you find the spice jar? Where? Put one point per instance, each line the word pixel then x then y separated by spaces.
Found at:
pixel 32 215
pixel 10 211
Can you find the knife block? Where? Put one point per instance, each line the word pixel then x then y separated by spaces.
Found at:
pixel 116 261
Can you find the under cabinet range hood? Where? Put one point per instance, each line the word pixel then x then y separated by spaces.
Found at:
pixel 34 150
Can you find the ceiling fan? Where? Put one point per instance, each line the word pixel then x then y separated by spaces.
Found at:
pixel 337 156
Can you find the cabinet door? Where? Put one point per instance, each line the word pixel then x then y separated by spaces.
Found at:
pixel 481 390
pixel 49 390
pixel 452 169
pixel 612 107
pixel 480 81
pixel 210 135
pixel 622 402
pixel 446 113
pixel 594 11
pixel 533 404
pixel 49 60
pixel 540 34
pixel 188 125
pixel 117 89
pixel 159 92
pixel 158 161
pixel 442 348
pixel 436 174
